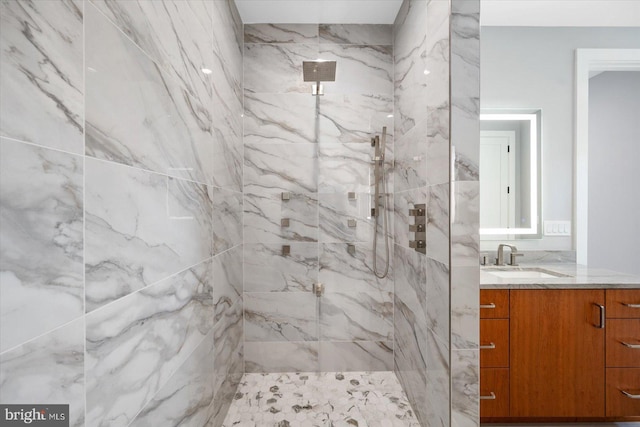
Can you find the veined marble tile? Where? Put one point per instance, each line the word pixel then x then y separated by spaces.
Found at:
pixel 186 397
pixel 140 228
pixel 347 118
pixel 228 46
pixel 49 369
pixel 355 316
pixel 227 142
pixel 281 33
pixel 227 280
pixel 263 215
pixel 465 311
pixel 336 210
pixel 437 411
pixel 438 222
pixel 361 69
pixel 281 167
pixel 266 269
pixel 281 356
pixel 410 87
pixel 138 115
pixel 280 316
pixel 280 118
pixel 177 35
pixel 227 219
pixel 228 360
pixel 437 51
pixel 277 68
pixel 409 57
pixel 465 219
pixel 41 244
pixel 345 168
pixel 342 272
pixel 465 88
pixel 363 34
pixel 403 201
pixel 41 54
pixel 438 297
pixel 355 356
pixel 438 148
pixel 410 152
pixel 465 390
pixel 135 344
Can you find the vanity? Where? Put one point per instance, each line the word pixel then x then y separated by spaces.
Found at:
pixel 559 342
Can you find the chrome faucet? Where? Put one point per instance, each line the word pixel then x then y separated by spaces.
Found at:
pixel 514 254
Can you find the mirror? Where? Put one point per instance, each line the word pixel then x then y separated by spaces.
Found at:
pixel 509 178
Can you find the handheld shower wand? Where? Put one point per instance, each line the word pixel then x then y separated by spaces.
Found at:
pixel 380 206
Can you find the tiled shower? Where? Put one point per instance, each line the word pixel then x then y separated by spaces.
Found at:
pixel 171 192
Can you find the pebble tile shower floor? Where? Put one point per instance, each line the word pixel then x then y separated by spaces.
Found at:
pixel 329 399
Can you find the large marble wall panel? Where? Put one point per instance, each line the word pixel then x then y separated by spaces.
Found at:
pixel 137 114
pixel 289 356
pixel 41 76
pixel 41 245
pixel 48 369
pixel 358 34
pixel 465 110
pixel 356 356
pixel 135 344
pixel 280 316
pixel 228 359
pixel 227 219
pixel 177 35
pixel 140 228
pixel 185 400
pixel 227 281
pixel 267 269
pixel 280 167
pixel 281 33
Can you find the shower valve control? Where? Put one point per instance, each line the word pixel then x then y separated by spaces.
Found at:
pixel 318 289
pixel 418 228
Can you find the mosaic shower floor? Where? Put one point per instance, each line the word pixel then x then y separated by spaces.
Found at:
pixel 329 399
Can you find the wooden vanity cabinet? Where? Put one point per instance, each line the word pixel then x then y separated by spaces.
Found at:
pixel 557 353
pixel 494 353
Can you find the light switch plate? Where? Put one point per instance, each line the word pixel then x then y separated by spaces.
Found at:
pixel 557 228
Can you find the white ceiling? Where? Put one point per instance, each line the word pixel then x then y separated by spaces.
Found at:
pixel 547 13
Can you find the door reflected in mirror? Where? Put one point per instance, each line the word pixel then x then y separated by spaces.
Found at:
pixel 509 179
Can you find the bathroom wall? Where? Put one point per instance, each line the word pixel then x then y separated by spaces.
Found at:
pixel 317 157
pixel 544 57
pixel 614 102
pixel 436 51
pixel 120 179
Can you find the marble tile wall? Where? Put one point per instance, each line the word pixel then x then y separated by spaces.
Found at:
pixel 436 294
pixel 121 206
pixel 318 153
pixel 465 270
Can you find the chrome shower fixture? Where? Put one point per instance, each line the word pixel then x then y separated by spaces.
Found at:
pixel 318 71
pixel 380 201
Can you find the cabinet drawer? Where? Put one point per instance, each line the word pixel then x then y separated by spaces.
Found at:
pixel 623 304
pixel 494 343
pixel 494 392
pixel 619 380
pixel 623 343
pixel 494 304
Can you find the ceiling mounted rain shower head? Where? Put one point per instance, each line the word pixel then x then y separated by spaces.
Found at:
pixel 319 71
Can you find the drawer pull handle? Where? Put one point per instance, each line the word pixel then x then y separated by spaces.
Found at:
pixel 629 395
pixel 631 305
pixel 489 346
pixel 626 344
pixel 490 305
pixel 492 396
pixel 602 315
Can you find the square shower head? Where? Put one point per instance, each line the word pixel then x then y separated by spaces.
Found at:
pixel 319 71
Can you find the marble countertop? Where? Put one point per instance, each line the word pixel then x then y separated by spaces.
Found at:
pixel 574 276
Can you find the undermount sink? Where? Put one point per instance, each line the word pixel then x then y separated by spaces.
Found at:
pixel 524 273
